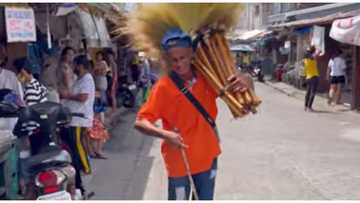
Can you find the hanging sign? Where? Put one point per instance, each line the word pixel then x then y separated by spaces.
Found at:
pixel 318 39
pixel 20 24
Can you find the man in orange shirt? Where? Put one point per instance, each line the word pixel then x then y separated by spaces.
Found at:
pixel 183 125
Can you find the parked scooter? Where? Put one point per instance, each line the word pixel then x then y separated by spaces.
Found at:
pixel 47 168
pixel 258 73
pixel 125 95
pixel 254 70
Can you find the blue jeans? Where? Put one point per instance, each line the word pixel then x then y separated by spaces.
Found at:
pixel 179 187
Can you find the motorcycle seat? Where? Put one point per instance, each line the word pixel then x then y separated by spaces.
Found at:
pixel 48 157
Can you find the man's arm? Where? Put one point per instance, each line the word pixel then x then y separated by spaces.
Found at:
pixel 18 89
pixel 328 70
pixel 79 97
pixel 75 97
pixel 343 64
pixel 67 75
pixel 150 129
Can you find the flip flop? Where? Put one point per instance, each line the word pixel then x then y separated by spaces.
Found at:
pixel 89 195
pixel 100 156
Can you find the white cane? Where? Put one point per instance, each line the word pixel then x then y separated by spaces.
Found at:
pixel 191 180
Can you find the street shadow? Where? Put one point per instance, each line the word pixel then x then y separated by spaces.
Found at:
pixel 343 110
pixel 322 112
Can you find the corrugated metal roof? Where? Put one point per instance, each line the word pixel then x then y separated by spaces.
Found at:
pixel 317 21
pixel 317 9
pixel 250 35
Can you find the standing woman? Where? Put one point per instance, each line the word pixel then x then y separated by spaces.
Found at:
pixel 336 70
pixel 312 78
pixel 65 73
pixel 113 79
pixel 101 83
pixel 49 80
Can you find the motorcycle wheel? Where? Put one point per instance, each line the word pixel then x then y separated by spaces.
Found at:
pixel 261 78
pixel 126 98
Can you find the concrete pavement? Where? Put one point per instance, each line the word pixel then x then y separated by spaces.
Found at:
pixel 280 153
pixel 133 163
pixel 286 153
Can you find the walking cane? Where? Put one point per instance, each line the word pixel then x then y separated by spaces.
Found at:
pixel 191 180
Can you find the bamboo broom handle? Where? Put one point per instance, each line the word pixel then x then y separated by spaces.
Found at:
pixel 221 44
pixel 188 172
pixel 200 59
pixel 217 72
pixel 248 99
pixel 213 80
pixel 236 112
pixel 217 57
pixel 223 65
pixel 221 40
pixel 202 53
pixel 215 46
pixel 256 99
pixel 218 86
pixel 228 64
pixel 249 96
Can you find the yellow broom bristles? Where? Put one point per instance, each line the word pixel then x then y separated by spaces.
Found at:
pixel 149 22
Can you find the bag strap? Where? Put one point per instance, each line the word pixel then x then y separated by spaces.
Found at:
pixel 180 85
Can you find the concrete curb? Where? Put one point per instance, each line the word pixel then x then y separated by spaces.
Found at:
pixel 321 99
pixel 278 89
pixel 291 93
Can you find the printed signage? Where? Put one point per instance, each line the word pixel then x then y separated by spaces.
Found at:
pixel 20 24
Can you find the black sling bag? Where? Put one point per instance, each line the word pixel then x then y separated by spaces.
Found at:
pixel 180 85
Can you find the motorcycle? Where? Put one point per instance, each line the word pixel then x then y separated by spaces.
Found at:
pixel 125 94
pixel 48 168
pixel 254 70
pixel 259 74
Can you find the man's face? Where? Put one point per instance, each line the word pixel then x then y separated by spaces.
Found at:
pixel 99 57
pixel 23 76
pixel 111 57
pixel 70 55
pixel 77 69
pixel 180 60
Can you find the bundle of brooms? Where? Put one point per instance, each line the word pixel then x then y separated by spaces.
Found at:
pixel 208 22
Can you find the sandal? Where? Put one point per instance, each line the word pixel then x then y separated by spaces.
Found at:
pixel 100 156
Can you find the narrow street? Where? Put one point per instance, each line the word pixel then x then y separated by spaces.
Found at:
pixel 64 67
pixel 280 153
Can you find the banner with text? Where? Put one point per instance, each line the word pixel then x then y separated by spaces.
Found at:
pixel 20 24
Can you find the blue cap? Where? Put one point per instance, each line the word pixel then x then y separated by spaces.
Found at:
pixel 175 37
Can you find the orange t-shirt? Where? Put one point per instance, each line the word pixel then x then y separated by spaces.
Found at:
pixel 169 105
